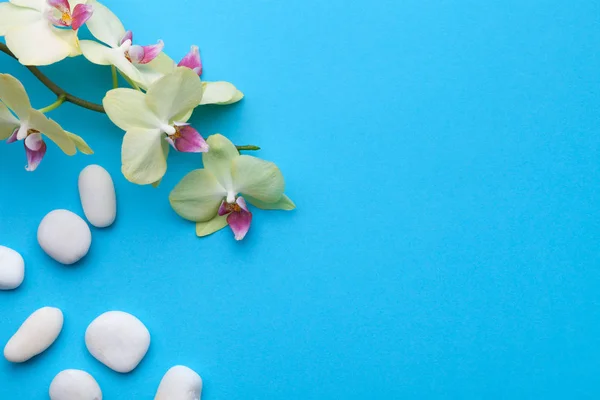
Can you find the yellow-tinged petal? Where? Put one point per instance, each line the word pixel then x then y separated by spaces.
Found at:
pixel 11 16
pixel 34 4
pixel 8 122
pixel 284 203
pixel 162 65
pixel 96 53
pixel 80 144
pixel 127 109
pixel 105 25
pixel 52 131
pixel 198 196
pixel 219 158
pixel 142 156
pixel 175 94
pixel 220 93
pixel 212 226
pixel 257 178
pixel 40 43
pixel 13 94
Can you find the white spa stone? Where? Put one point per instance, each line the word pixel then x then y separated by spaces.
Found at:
pixel 97 194
pixel 118 340
pixel 37 333
pixel 12 269
pixel 64 236
pixel 74 384
pixel 180 383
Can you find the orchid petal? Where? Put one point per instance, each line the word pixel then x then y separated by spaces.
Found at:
pixel 8 122
pixel 220 93
pixel 40 43
pixel 127 109
pixel 14 96
pixel 239 222
pixel 97 53
pixel 52 131
pixel 219 158
pixel 38 5
pixel 81 14
pixel 284 203
pixel 61 5
pixel 128 36
pixel 13 16
pixel 192 61
pixel 257 178
pixel 34 141
pixel 35 149
pixel 80 144
pixel 145 54
pixel 175 93
pixel 190 141
pixel 223 209
pixel 13 138
pixel 105 26
pixel 197 196
pixel 211 226
pixel 162 65
pixel 142 156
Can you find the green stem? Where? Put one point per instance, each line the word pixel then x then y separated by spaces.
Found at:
pixel 54 88
pixel 248 147
pixel 61 99
pixel 115 78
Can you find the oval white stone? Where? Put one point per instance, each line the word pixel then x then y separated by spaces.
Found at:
pixel 180 383
pixel 74 384
pixel 12 269
pixel 118 340
pixel 97 194
pixel 37 333
pixel 64 236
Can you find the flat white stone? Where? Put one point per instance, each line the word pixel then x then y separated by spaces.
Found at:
pixel 118 340
pixel 74 384
pixel 37 333
pixel 97 194
pixel 12 269
pixel 64 236
pixel 180 383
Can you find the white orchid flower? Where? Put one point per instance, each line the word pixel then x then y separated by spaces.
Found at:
pixel 119 49
pixel 28 125
pixel 216 196
pixel 153 121
pixel 43 32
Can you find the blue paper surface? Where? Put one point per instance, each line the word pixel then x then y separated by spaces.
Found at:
pixel 444 157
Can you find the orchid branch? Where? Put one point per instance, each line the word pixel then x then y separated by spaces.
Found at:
pixel 54 88
pixel 64 96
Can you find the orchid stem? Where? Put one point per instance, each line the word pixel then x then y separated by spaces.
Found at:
pixel 61 99
pixel 115 78
pixel 248 147
pixel 54 88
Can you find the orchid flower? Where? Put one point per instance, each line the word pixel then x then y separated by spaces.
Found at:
pixel 28 125
pixel 216 196
pixel 43 32
pixel 129 58
pixel 153 121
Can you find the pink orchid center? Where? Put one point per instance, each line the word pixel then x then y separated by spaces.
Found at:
pixel 186 139
pixel 137 54
pixel 35 147
pixel 239 217
pixel 60 14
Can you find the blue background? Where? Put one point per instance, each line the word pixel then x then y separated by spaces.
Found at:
pixel 444 157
